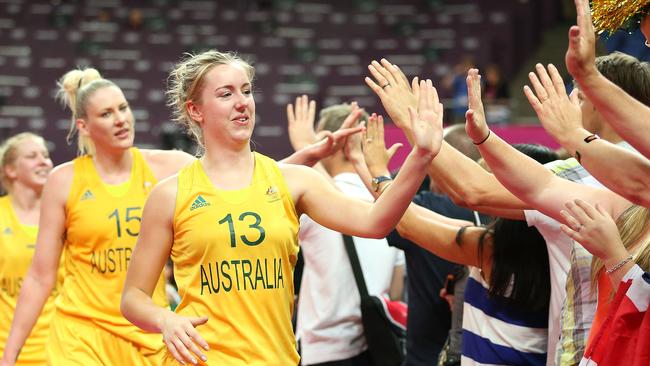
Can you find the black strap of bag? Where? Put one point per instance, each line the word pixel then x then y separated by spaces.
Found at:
pixel 386 344
pixel 356 266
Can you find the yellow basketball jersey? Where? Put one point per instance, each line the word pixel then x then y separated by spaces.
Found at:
pixel 17 250
pixel 101 231
pixel 234 253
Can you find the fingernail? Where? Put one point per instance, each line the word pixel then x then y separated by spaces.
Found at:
pixel 194 360
pixel 204 358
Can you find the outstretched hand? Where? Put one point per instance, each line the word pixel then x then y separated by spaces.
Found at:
pixel 475 123
pixel 374 149
pixel 301 122
pixel 559 113
pixel 393 89
pixel 580 57
pixel 181 338
pixel 426 120
pixel 594 228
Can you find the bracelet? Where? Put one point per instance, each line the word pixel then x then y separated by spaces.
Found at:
pixel 384 187
pixel 459 234
pixel 591 138
pixel 485 139
pixel 619 264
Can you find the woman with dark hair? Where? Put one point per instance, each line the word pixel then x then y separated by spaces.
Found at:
pixel 507 295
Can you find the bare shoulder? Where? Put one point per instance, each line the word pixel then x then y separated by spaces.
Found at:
pixel 59 181
pixel 161 202
pixel 164 163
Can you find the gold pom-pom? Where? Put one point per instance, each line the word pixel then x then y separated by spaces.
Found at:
pixel 610 15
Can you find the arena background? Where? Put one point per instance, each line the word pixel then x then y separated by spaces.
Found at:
pixel 319 48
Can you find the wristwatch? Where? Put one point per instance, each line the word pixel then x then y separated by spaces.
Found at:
pixel 376 181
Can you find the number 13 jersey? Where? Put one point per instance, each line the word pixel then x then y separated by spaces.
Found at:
pixel 234 253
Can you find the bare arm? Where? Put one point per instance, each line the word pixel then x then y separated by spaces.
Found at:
pixel 622 171
pixel 149 256
pixel 526 178
pixel 316 199
pixel 626 115
pixel 396 290
pixel 41 276
pixel 460 177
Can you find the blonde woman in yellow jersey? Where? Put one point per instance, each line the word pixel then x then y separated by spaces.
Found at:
pixel 24 166
pixel 91 209
pixel 230 223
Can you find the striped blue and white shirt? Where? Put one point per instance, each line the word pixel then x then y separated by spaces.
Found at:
pixel 496 333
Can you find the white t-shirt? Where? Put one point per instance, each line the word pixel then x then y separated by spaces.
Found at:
pixel 329 318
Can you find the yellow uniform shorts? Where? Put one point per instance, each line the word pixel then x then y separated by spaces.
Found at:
pixel 74 342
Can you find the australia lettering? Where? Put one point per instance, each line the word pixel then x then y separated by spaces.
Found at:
pixel 110 260
pixel 241 275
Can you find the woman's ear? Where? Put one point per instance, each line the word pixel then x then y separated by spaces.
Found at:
pixel 194 111
pixel 82 127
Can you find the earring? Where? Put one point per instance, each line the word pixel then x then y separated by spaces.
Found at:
pixel 646 43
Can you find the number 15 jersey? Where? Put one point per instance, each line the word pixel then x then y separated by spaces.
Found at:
pixel 101 231
pixel 234 252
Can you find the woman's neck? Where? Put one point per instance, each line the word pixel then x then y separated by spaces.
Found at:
pixel 113 168
pixel 229 169
pixel 26 203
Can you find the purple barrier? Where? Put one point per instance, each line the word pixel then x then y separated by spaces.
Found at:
pixel 514 134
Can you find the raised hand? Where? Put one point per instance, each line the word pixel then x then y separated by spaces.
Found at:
pixel 594 228
pixel 180 336
pixel 581 55
pixel 559 113
pixel 393 89
pixel 374 149
pixel 301 122
pixel 426 121
pixel 475 123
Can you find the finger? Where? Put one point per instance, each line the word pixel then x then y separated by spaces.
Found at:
pixel 290 115
pixel 374 87
pixel 587 208
pixel 346 132
pixel 172 349
pixel 393 73
pixel 572 233
pixel 429 99
pixel 384 72
pixel 574 37
pixel 311 113
pixel 545 80
pixel 532 99
pixel 393 149
pixel 196 336
pixel 573 223
pixel 380 128
pixel 415 87
pixel 374 69
pixel 372 127
pixel 303 108
pixel 578 213
pixel 352 118
pixel 185 353
pixel 189 343
pixel 556 79
pixel 199 320
pixel 404 79
pixel 541 93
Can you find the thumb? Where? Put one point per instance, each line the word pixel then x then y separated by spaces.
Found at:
pixel 393 149
pixel 199 321
pixel 574 34
pixel 413 116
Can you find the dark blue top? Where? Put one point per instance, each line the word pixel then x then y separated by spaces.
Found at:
pixel 429 318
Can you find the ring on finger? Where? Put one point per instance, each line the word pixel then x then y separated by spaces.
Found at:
pixel 385 85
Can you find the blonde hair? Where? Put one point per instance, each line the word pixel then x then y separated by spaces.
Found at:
pixel 186 80
pixel 632 224
pixel 75 89
pixel 332 117
pixel 8 154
